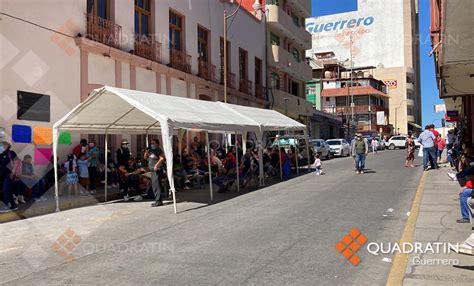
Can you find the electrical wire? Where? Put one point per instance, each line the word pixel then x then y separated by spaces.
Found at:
pixel 233 14
pixel 37 25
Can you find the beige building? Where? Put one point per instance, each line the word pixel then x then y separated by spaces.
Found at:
pixel 287 42
pixel 55 52
pixel 384 35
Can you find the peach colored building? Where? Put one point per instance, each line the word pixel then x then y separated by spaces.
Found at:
pixel 55 52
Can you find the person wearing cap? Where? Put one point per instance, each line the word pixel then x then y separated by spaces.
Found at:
pixel 359 150
pixel 9 163
pixel 123 154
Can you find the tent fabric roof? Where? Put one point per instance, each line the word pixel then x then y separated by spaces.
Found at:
pixel 122 110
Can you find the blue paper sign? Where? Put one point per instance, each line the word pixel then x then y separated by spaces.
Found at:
pixel 21 133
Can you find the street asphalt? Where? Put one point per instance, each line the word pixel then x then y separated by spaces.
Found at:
pixel 282 234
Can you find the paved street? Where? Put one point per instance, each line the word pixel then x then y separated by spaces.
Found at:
pixel 283 234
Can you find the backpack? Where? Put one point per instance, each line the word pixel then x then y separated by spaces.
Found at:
pixel 360 146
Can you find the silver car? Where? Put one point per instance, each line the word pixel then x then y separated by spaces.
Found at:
pixel 322 148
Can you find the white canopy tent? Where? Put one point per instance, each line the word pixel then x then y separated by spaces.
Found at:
pixel 110 110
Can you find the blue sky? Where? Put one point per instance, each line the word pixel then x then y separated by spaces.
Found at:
pixel 429 91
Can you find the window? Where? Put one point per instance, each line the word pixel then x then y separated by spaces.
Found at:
pixel 258 71
pixel 176 31
pixel 243 64
pixel 33 106
pixel 203 46
pixel 293 87
pixel 275 84
pixel 296 54
pixel 142 17
pixel 274 39
pixel 295 19
pixel 99 8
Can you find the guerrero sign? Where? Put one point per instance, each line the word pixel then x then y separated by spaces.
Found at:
pixel 375 28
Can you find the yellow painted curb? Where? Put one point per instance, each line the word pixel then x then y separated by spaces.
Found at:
pixel 399 266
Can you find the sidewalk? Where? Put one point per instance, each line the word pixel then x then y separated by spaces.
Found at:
pixel 436 222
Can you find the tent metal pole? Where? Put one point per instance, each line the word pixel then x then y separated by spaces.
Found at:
pixel 279 159
pixel 147 143
pixel 307 149
pixel 106 162
pixel 237 163
pixel 55 165
pixel 209 165
pixel 260 159
pixel 296 150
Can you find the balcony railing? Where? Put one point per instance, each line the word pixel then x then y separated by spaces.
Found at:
pixel 230 79
pixel 357 109
pixel 260 91
pixel 245 86
pixel 180 60
pixel 206 70
pixel 146 47
pixel 103 31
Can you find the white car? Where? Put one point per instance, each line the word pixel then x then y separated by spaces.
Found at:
pixel 396 142
pixel 339 147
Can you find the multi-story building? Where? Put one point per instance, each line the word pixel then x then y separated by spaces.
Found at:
pixel 287 42
pixel 382 34
pixel 360 100
pixel 452 37
pixel 54 53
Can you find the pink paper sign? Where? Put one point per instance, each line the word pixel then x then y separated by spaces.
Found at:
pixel 42 156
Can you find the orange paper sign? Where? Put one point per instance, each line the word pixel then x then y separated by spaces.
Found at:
pixel 42 136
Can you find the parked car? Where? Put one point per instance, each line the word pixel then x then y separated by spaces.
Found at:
pixel 339 147
pixel 396 142
pixel 322 148
pixel 287 141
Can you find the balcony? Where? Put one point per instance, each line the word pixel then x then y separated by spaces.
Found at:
pixel 206 70
pixel 230 79
pixel 290 104
pixel 303 7
pixel 260 91
pixel 180 60
pixel 103 31
pixel 146 47
pixel 279 20
pixel 357 109
pixel 245 86
pixel 281 58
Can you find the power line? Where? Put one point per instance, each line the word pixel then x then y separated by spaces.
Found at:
pixel 36 25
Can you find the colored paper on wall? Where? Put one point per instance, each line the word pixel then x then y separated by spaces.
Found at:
pixel 21 133
pixel 42 156
pixel 65 138
pixel 42 136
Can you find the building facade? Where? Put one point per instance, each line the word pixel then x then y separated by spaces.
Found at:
pixel 384 35
pixel 286 44
pixel 452 40
pixel 55 52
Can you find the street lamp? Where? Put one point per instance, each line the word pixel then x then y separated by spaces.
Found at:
pixel 396 114
pixel 226 17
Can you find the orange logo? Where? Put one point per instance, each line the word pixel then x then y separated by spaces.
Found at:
pixel 350 244
pixel 66 243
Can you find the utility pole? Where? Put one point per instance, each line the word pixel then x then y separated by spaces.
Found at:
pixel 350 86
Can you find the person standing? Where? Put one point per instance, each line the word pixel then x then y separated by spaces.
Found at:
pixel 440 145
pixel 374 144
pixel 359 150
pixel 93 157
pixel 155 158
pixel 427 140
pixel 80 149
pixel 410 146
pixel 8 172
